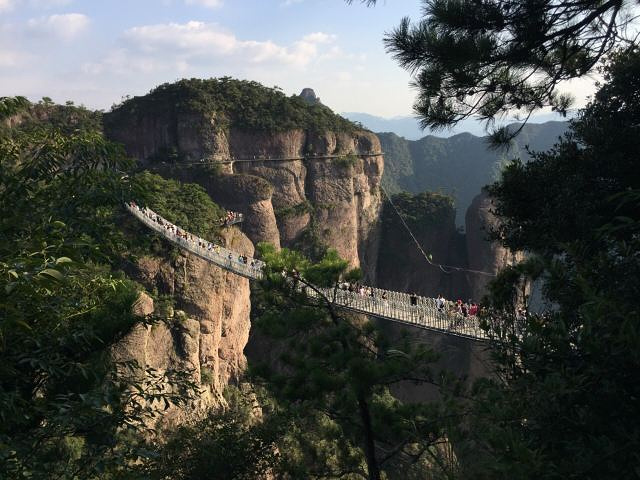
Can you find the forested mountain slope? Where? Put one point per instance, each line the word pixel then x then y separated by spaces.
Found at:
pixel 460 165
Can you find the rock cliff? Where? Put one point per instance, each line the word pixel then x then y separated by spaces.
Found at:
pixel 401 265
pixel 207 326
pixel 484 255
pixel 307 182
pixel 330 198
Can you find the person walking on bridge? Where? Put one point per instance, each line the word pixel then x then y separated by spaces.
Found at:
pixel 440 303
pixel 414 300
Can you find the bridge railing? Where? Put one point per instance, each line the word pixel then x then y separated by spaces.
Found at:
pixel 223 257
pixel 396 306
pixel 424 314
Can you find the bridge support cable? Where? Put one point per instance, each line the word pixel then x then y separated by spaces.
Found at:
pixel 428 258
pixel 384 304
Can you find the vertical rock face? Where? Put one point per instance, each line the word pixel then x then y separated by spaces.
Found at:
pixel 331 201
pixel 402 267
pixel 484 255
pixel 307 198
pixel 210 328
pixel 469 260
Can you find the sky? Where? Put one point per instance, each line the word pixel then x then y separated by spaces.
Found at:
pixel 95 52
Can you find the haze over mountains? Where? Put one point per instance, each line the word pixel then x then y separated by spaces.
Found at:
pixel 459 165
pixel 407 126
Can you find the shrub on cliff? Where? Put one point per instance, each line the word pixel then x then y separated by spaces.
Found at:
pixel 421 212
pixel 184 204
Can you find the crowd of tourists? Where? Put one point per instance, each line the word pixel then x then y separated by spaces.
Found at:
pixel 466 309
pixel 195 240
pixel 450 307
pixel 365 291
pixel 456 309
pixel 231 218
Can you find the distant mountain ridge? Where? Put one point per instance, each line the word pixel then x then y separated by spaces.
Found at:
pixel 408 127
pixel 460 165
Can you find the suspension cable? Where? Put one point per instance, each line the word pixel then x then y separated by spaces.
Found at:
pixel 444 268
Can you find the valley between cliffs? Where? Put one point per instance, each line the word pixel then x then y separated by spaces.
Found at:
pixel 306 185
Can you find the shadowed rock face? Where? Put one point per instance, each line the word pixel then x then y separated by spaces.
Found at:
pixel 466 360
pixel 484 255
pixel 402 267
pixel 207 334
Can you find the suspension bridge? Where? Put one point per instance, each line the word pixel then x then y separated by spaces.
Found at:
pixel 417 311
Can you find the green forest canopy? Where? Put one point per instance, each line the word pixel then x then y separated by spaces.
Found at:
pixel 234 103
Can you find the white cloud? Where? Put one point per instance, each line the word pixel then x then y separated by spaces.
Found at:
pixel 49 3
pixel 319 37
pixel 6 5
pixel 8 59
pixel 288 3
pixel 65 26
pixel 205 3
pixel 198 41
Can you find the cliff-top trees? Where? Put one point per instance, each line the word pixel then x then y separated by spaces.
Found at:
pixel 491 57
pixel 233 103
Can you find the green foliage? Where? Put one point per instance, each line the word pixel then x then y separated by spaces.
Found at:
pixel 12 105
pixel 490 58
pixel 346 161
pixel 228 444
pixel 68 119
pixel 580 174
pixel 311 241
pixel 76 179
pixel 334 372
pixel 184 204
pixel 233 103
pixel 298 210
pixel 564 400
pixel 64 401
pixel 206 376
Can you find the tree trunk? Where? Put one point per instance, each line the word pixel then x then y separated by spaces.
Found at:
pixel 369 444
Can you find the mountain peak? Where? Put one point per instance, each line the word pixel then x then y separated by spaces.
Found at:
pixel 309 96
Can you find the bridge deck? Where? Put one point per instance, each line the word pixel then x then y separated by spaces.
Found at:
pixel 396 306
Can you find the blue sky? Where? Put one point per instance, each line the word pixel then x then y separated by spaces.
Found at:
pixel 97 51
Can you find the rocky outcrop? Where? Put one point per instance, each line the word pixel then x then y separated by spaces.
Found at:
pixel 484 255
pixel 309 96
pixel 207 319
pixel 331 197
pixel 321 188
